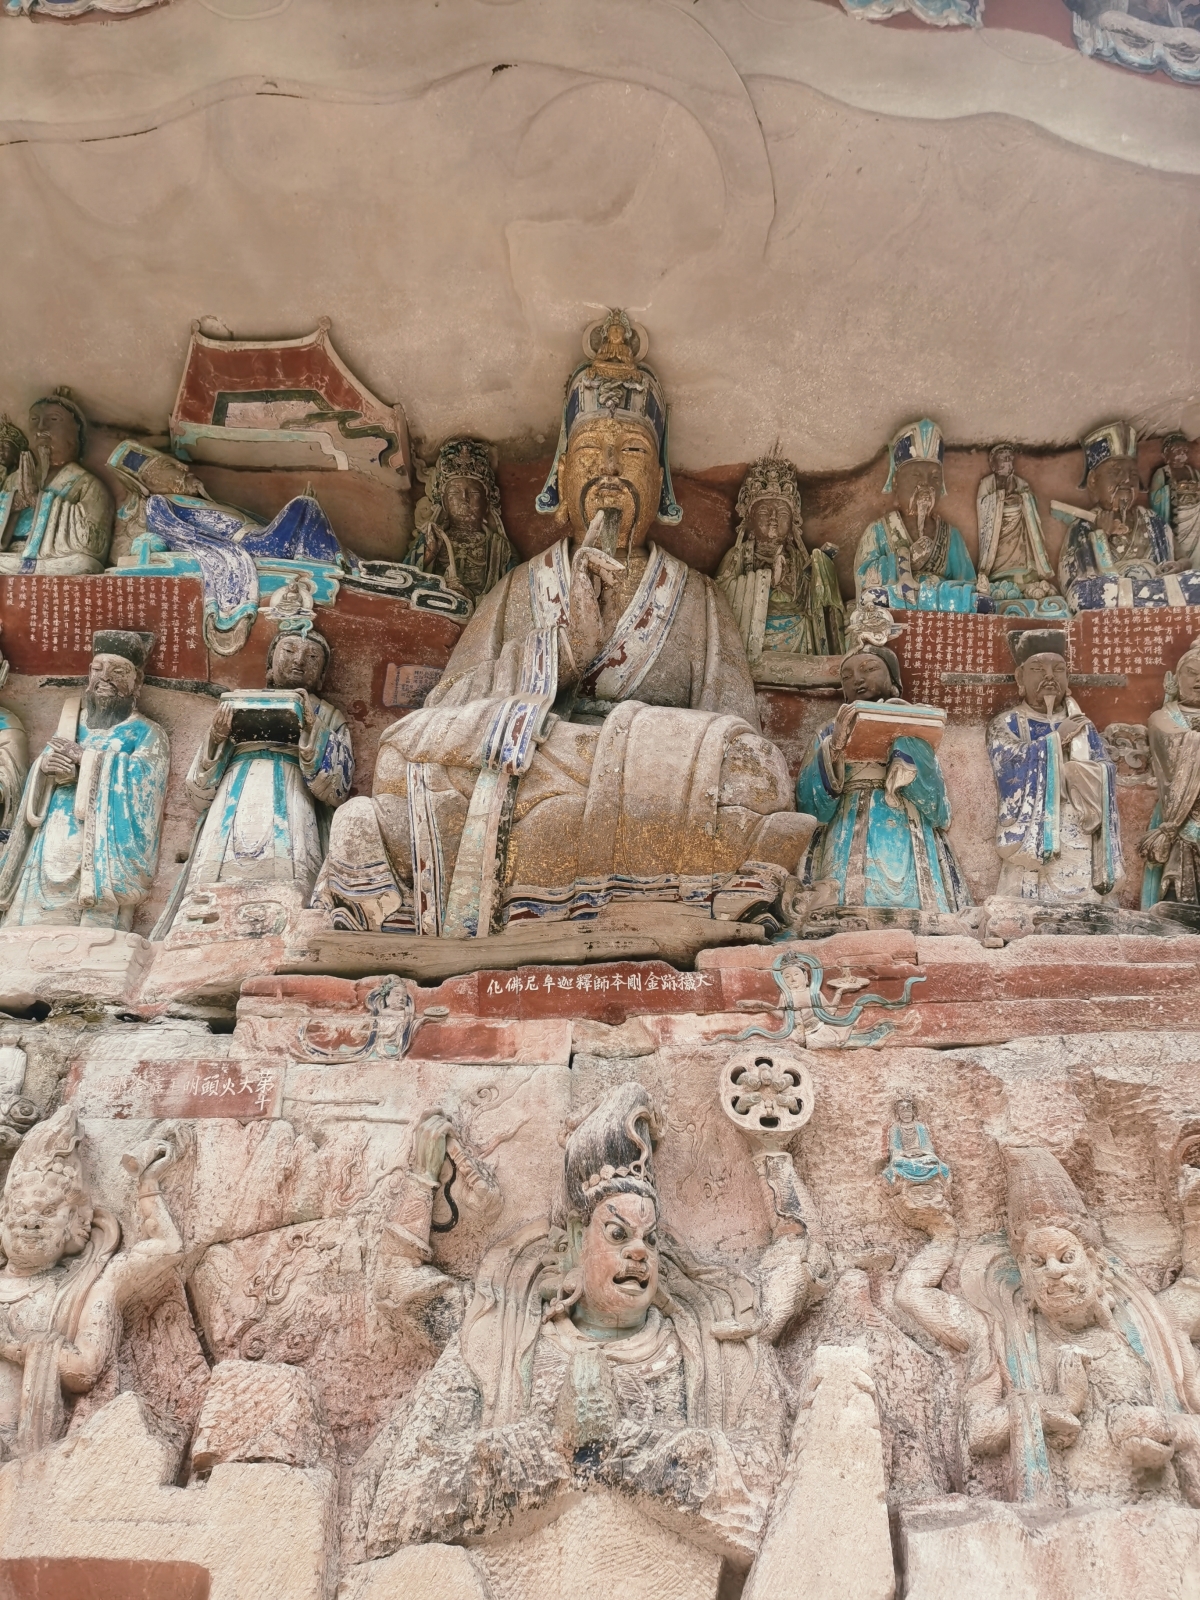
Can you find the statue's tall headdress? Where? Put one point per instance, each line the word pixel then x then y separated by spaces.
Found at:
pixel 615 382
pixel 11 434
pixel 464 458
pixel 769 478
pixel 1114 441
pixel 1026 642
pixel 1042 1195
pixel 916 441
pixel 49 1154
pixel 133 645
pixel 612 1151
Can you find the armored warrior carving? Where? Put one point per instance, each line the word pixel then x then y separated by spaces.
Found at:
pixel 595 731
pixel 1058 834
pixel 460 528
pixel 56 517
pixel 65 1280
pixel 1086 1380
pixel 84 845
pixel 784 596
pixel 911 559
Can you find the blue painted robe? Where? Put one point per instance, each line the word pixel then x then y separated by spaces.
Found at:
pixel 911 1155
pixel 1046 854
pixel 90 859
pixel 879 853
pixel 226 545
pixel 1095 578
pixel 883 570
pixel 266 809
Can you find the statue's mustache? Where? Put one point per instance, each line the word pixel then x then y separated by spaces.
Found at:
pixel 607 485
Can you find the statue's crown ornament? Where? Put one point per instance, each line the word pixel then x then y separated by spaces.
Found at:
pixel 916 441
pixel 50 1153
pixel 1041 1194
pixel 770 478
pixel 614 382
pixel 12 435
pixel 1114 441
pixel 462 458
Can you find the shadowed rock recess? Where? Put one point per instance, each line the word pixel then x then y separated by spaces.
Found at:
pixel 599 800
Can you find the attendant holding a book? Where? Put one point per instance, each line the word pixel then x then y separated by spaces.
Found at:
pixel 873 781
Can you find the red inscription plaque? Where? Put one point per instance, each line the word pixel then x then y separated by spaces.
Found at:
pixel 48 622
pixel 195 1088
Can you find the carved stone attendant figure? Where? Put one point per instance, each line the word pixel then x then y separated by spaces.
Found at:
pixel 1172 846
pixel 169 509
pixel 650 777
pixel 267 804
pixel 1086 1380
pixel 65 1280
pixel 1058 834
pixel 56 517
pixel 460 529
pixel 14 760
pixel 1175 497
pixel 910 559
pixel 1014 569
pixel 596 1353
pixel 911 1156
pixel 883 841
pixel 85 842
pixel 782 595
pixel 1117 555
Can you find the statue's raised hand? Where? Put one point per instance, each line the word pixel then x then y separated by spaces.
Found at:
pixel 592 569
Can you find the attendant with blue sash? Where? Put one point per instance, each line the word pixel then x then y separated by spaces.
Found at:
pixel 267 802
pixel 56 517
pixel 883 841
pixel 84 844
pixel 910 558
pixel 1172 846
pixel 1058 835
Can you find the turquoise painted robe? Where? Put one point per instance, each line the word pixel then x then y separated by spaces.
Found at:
pixel 879 853
pixel 883 569
pixel 84 853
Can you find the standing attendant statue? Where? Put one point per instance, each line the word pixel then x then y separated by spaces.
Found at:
pixel 1175 497
pixel 1014 569
pixel 460 528
pixel 784 596
pixel 14 761
pixel 266 800
pixel 1172 846
pixel 56 517
pixel 1058 834
pixel 84 845
pixel 910 558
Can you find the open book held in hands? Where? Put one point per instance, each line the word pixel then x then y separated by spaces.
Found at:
pixel 877 724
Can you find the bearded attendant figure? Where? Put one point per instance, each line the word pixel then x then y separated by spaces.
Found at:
pixel 56 517
pixel 460 528
pixel 84 846
pixel 1172 846
pixel 596 1353
pixel 1087 1381
pixel 1058 833
pixel 912 560
pixel 1175 498
pixel 1120 554
pixel 65 1281
pixel 1014 569
pixel 784 596
pixel 595 732
pixel 884 812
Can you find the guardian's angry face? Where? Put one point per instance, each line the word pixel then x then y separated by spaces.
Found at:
pixel 620 1262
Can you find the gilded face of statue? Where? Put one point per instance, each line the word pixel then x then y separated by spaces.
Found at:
pixel 918 486
pixel 38 1227
pixel 465 502
pixel 611 463
pixel 165 475
pixel 865 677
pixel 1040 676
pixel 296 663
pixel 619 1263
pixel 769 524
pixel 55 434
pixel 1059 1276
pixel 1114 484
pixel 1187 677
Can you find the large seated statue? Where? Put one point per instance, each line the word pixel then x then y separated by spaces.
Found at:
pixel 56 517
pixel 168 509
pixel 910 559
pixel 1120 553
pixel 595 733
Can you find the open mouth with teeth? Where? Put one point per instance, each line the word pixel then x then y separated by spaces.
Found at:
pixel 632 1278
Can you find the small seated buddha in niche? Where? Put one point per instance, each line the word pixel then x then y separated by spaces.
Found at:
pixel 460 529
pixel 56 517
pixel 1014 569
pixel 911 1156
pixel 784 596
pixel 912 559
